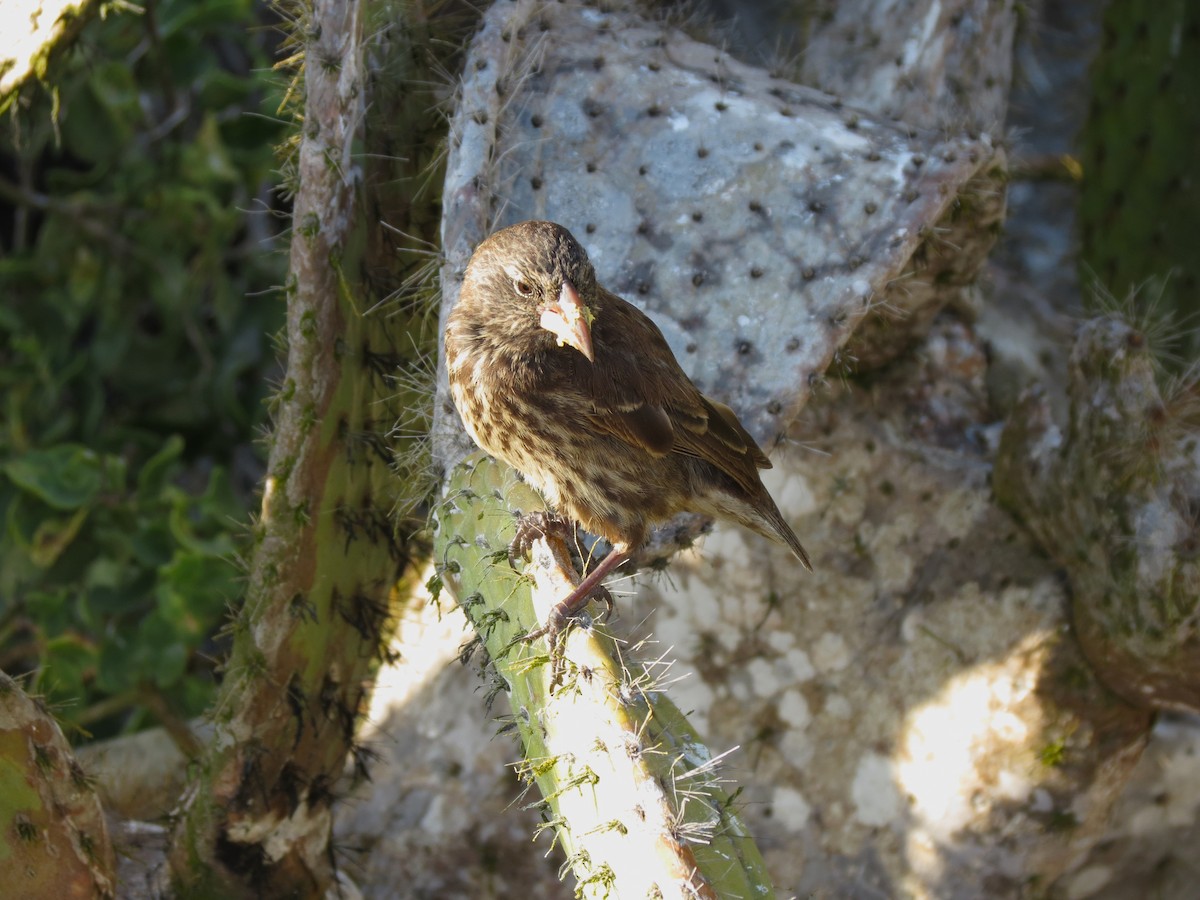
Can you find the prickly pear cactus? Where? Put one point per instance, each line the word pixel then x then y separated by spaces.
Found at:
pixel 1114 497
pixel 1139 209
pixel 55 842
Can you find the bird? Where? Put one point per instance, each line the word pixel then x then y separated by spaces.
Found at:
pixel 578 390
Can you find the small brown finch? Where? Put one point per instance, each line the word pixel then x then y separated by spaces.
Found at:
pixel 578 390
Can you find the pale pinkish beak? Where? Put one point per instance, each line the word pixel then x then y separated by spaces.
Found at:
pixel 569 320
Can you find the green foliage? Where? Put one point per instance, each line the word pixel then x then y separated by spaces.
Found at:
pixel 1139 204
pixel 138 249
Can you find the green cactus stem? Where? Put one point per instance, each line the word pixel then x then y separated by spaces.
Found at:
pixel 1139 203
pixel 633 794
pixel 256 820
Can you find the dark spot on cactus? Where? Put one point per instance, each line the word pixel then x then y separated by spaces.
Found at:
pixel 536 121
pixel 26 830
pixel 654 111
pixel 598 63
pixel 792 345
pixel 720 106
pixel 702 152
pixel 80 779
pixel 756 272
pixel 479 117
pixel 690 348
pixel 590 228
pixel 697 279
pixel 755 207
pixel 290 785
pixel 869 208
pixel 774 407
pixel 43 758
pixel 808 273
pixel 816 206
pixel 320 791
pixel 918 160
pixel 758 147
pixel 535 183
pixel 697 216
pixel 653 67
pixel 744 348
pixel 590 167
pixel 642 170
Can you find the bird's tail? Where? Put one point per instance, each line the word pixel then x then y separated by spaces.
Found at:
pixel 779 530
pixel 761 516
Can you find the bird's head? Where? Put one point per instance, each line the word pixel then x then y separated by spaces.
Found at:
pixel 533 279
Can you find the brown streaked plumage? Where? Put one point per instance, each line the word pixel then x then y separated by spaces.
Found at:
pixel 578 390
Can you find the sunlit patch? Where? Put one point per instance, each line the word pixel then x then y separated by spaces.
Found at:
pixel 972 745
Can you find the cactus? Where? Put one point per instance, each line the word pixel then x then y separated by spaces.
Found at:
pixel 1114 497
pixel 55 841
pixel 328 552
pixel 1139 206
pixel 631 792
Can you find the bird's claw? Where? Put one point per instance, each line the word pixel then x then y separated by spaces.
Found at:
pixel 558 624
pixel 555 629
pixel 534 525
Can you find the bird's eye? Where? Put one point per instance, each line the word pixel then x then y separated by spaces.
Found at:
pixel 524 288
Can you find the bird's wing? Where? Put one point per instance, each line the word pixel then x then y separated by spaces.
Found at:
pixel 639 393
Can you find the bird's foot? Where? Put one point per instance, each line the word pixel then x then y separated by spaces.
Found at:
pixel 567 611
pixel 534 525
pixel 558 625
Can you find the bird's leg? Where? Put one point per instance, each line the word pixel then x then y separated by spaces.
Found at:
pixel 533 525
pixel 569 607
pixel 543 523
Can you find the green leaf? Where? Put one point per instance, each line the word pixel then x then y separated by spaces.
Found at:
pixel 159 467
pixel 71 663
pixel 193 591
pixel 68 476
pixel 53 536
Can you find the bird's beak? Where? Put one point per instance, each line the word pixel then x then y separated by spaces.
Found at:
pixel 569 320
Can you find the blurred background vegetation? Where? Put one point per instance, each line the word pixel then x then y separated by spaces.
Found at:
pixel 141 255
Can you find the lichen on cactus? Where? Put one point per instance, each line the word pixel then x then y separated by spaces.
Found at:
pixel 1114 497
